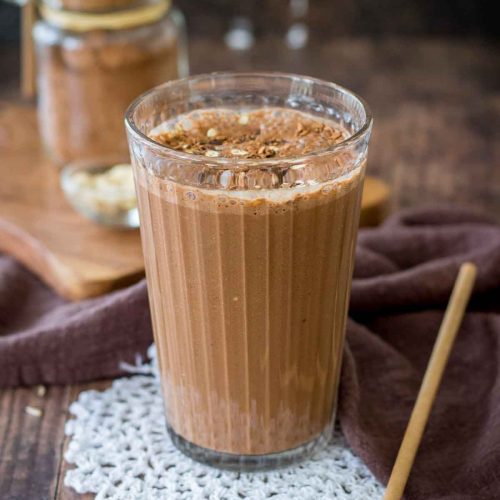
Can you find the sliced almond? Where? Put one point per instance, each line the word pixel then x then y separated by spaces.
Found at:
pixel 238 152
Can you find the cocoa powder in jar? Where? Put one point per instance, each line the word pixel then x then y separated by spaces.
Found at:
pixel 87 80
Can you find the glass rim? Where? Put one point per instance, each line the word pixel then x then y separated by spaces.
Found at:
pixel 224 162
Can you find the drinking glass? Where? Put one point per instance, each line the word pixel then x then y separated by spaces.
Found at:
pixel 249 265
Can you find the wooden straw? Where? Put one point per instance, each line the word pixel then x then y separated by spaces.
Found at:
pixel 27 51
pixel 432 378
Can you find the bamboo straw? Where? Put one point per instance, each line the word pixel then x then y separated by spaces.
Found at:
pixel 27 51
pixel 432 378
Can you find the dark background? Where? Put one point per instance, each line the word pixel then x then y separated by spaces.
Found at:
pixel 327 18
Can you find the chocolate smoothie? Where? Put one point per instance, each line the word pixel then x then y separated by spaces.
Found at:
pixel 249 289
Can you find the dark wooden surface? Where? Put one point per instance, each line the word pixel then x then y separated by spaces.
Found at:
pixel 436 104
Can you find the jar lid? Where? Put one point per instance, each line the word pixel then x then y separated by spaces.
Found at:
pixel 95 6
pixel 114 20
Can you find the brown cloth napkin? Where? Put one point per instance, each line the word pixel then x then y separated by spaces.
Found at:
pixel 404 274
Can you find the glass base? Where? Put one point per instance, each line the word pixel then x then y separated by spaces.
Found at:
pixel 249 463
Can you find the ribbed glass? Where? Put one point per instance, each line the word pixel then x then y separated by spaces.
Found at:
pixel 249 266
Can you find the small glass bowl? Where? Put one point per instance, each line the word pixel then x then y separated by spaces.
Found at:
pixel 102 191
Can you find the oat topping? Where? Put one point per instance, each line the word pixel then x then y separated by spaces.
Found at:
pixel 262 133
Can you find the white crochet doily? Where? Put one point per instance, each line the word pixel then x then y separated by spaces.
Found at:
pixel 121 450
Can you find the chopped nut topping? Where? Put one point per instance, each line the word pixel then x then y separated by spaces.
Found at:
pixel 262 133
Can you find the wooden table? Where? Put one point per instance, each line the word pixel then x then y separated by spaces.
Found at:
pixel 436 106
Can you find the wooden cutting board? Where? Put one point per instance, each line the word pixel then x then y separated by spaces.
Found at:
pixel 78 258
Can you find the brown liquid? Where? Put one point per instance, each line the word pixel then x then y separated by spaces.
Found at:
pixel 249 300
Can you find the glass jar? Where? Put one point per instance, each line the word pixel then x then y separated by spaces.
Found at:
pixel 94 58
